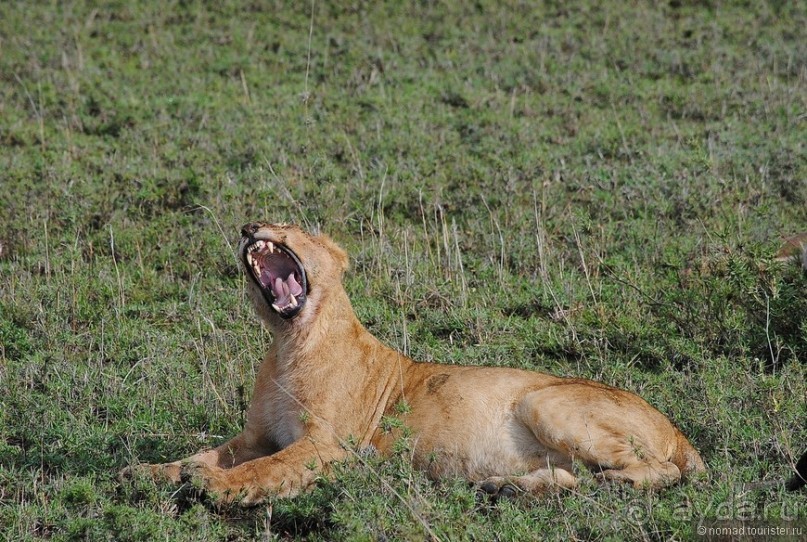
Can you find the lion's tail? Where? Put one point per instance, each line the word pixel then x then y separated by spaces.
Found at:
pixel 687 458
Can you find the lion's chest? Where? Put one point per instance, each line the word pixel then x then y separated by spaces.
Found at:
pixel 283 415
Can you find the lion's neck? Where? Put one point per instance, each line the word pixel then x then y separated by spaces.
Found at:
pixel 330 362
pixel 334 345
pixel 314 337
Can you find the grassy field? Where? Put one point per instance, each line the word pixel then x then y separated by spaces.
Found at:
pixel 591 188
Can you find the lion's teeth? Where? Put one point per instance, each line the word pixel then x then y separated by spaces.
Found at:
pixel 293 300
pixel 271 247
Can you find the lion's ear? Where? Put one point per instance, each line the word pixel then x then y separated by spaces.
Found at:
pixel 337 252
pixel 342 258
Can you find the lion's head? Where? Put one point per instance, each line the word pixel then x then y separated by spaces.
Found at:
pixel 289 271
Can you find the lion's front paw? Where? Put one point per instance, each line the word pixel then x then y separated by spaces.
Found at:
pixel 221 485
pixel 495 488
pixel 164 472
pixel 251 495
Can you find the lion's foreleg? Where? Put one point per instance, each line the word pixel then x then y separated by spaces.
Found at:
pixel 228 455
pixel 284 474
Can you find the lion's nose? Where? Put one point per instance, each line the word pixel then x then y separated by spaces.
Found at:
pixel 248 230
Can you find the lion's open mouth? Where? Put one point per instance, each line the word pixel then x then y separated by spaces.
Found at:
pixel 280 275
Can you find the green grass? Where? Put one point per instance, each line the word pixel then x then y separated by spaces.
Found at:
pixel 591 189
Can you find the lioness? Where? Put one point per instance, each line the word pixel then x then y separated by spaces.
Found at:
pixel 327 381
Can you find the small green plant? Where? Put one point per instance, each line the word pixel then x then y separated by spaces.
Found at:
pixel 402 407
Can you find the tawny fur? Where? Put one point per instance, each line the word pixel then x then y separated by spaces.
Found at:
pixel 327 382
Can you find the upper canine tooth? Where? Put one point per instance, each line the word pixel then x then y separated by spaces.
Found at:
pixel 271 247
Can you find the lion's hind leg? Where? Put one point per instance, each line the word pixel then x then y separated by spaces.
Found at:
pixel 536 482
pixel 613 432
pixel 652 474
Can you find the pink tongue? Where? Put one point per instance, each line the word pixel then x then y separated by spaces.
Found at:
pixel 294 287
pixel 281 292
pixel 284 290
